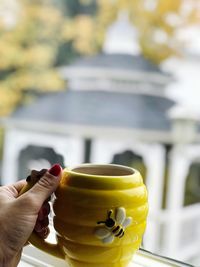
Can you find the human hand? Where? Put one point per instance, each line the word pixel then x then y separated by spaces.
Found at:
pixel 20 215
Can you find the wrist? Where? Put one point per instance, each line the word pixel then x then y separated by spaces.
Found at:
pixel 10 261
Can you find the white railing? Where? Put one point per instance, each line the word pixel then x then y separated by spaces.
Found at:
pixel 183 225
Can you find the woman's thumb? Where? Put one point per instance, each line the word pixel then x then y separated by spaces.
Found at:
pixel 46 185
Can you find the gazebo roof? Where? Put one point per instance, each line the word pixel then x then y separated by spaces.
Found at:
pixel 98 109
pixel 118 61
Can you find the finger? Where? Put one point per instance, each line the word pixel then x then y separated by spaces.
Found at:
pixel 16 187
pixel 44 211
pixel 19 185
pixel 41 224
pixel 44 233
pixel 46 185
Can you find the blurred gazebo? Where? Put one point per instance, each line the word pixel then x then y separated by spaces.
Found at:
pixel 114 110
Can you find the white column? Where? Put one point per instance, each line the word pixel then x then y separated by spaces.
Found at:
pixel 178 170
pixel 10 157
pixel 155 162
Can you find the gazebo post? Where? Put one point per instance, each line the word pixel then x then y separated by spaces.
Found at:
pixel 178 170
pixel 12 146
pixel 155 183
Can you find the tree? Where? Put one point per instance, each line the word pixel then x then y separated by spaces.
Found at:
pixel 28 50
pixel 158 27
pixel 80 26
pixel 157 22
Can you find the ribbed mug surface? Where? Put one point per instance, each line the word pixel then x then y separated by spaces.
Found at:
pixel 100 215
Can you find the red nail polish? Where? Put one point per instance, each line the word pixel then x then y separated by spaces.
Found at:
pixel 55 170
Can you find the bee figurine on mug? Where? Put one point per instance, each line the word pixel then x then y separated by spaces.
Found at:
pixel 113 227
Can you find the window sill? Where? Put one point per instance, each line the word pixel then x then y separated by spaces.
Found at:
pixel 33 257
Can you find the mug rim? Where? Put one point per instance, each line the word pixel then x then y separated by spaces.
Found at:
pixel 131 171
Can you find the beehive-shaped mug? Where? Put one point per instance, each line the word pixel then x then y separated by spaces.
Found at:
pixel 100 216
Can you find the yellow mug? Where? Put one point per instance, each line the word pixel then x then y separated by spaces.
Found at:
pixel 100 216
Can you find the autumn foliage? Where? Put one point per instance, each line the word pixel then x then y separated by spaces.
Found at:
pixel 28 49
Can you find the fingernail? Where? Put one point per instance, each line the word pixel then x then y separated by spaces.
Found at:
pixel 55 170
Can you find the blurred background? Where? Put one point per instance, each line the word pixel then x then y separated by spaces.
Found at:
pixel 108 81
